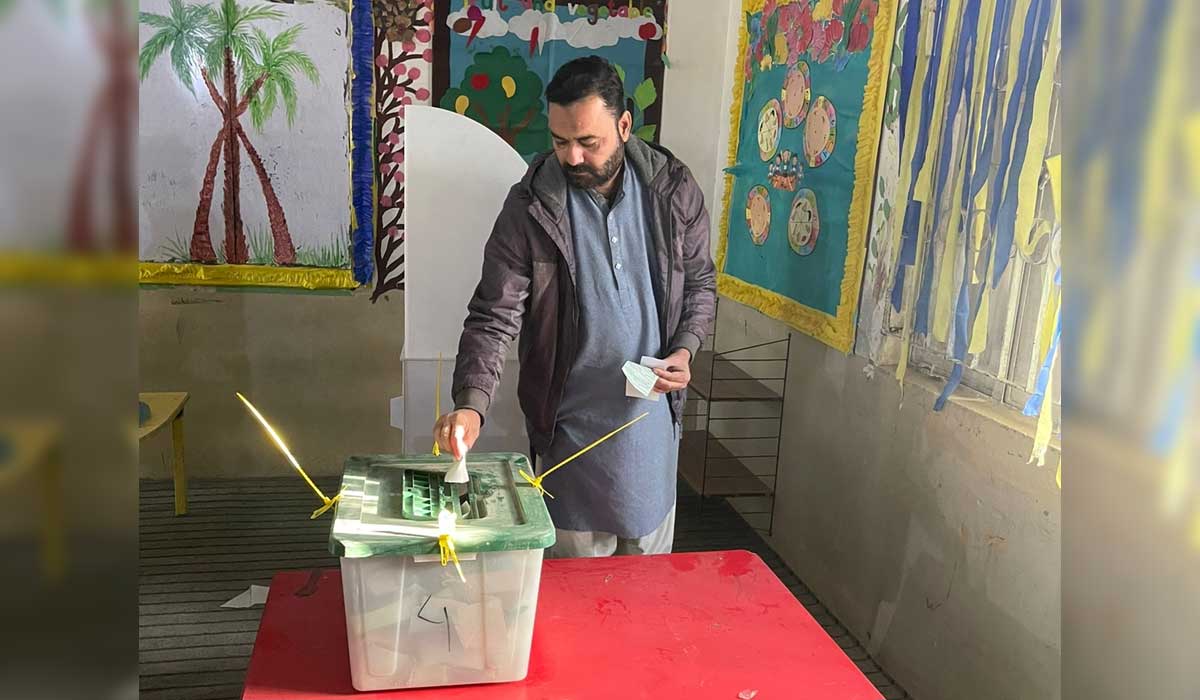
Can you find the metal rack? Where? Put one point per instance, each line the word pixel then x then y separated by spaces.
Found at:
pixel 731 438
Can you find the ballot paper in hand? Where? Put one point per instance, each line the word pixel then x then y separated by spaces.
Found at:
pixel 640 378
pixel 458 473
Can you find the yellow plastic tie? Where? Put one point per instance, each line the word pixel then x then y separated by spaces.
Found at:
pixel 329 503
pixel 446 545
pixel 447 522
pixel 437 408
pixel 536 481
pixel 326 501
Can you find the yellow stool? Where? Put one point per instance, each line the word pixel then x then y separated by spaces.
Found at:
pixel 33 445
pixel 167 406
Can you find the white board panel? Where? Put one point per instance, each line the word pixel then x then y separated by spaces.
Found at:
pixel 457 174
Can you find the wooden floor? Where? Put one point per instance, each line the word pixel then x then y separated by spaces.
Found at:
pixel 240 532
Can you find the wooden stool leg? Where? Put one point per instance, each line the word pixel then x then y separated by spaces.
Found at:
pixel 54 555
pixel 178 468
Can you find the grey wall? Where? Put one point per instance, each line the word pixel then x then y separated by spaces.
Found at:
pixel 926 533
pixel 321 368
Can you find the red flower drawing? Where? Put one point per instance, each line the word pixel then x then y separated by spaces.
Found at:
pixel 860 34
pixel 830 34
pixel 804 29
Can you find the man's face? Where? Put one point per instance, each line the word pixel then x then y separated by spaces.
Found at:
pixel 589 142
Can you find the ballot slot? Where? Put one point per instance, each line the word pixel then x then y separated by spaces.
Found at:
pixel 419 495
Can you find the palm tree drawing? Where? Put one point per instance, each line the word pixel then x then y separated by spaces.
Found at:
pixel 256 72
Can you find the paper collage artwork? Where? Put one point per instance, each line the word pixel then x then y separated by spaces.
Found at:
pixel 243 111
pixel 494 58
pixel 805 129
pixel 402 58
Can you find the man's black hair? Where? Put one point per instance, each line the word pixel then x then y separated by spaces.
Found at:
pixel 584 77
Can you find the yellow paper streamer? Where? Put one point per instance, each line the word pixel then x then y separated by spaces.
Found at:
pixel 909 145
pixel 1052 291
pixel 922 186
pixel 951 262
pixel 327 502
pixel 245 276
pixel 1045 423
pixel 66 269
pixel 1175 84
pixel 536 481
pixel 1026 235
pixel 1054 169
pixel 979 331
pixel 947 289
pixel 950 36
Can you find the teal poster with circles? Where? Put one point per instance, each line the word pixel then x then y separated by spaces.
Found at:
pixel 805 123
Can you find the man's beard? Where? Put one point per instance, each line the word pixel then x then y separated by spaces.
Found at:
pixel 586 177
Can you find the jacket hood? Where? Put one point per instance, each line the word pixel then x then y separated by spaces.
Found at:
pixel 546 181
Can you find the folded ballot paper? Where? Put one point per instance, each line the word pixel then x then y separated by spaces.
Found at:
pixel 640 378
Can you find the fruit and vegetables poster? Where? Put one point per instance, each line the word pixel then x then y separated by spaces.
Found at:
pixel 810 84
pixel 492 60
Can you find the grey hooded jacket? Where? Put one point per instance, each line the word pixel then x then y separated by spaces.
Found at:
pixel 527 287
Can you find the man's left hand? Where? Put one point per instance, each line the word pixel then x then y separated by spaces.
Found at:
pixel 677 374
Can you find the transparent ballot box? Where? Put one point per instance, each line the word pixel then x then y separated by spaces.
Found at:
pixel 410 620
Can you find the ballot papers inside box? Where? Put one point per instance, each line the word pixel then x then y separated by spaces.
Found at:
pixel 410 620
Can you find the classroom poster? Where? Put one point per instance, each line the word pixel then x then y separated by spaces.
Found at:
pixel 805 125
pixel 403 57
pixel 494 58
pixel 245 144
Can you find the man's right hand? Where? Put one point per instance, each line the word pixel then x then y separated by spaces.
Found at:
pixel 443 431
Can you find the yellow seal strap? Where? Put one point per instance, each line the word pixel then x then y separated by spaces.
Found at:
pixel 536 481
pixel 326 502
pixel 437 406
pixel 446 545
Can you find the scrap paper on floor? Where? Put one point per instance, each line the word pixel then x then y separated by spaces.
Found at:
pixel 254 595
pixel 640 379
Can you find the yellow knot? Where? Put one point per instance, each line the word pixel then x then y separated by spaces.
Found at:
pixel 446 545
pixel 329 503
pixel 536 482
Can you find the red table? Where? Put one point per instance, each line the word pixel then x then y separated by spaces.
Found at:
pixel 678 626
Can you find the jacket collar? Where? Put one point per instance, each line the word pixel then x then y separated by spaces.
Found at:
pixel 546 182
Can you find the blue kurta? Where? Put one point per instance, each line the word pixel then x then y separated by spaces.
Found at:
pixel 626 485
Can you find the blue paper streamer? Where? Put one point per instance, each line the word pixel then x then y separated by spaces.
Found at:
pixel 962 79
pixel 1033 406
pixel 908 248
pixel 1132 78
pixel 991 106
pixel 976 161
pixel 951 385
pixel 362 153
pixel 1030 62
pixel 908 59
